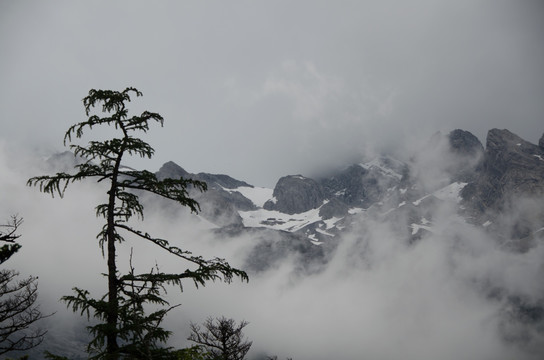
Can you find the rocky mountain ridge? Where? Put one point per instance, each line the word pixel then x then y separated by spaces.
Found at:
pixel 476 180
pixel 484 185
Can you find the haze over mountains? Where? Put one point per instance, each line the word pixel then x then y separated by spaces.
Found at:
pixel 438 254
pixel 453 189
pixel 454 169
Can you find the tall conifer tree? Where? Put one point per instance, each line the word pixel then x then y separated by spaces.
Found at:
pixel 125 330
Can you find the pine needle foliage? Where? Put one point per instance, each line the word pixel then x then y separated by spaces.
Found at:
pixel 124 329
pixel 222 338
pixel 8 238
pixel 19 311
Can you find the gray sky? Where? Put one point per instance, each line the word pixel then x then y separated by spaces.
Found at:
pixel 259 90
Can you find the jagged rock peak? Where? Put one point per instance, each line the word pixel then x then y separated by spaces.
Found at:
pixel 541 142
pixel 465 143
pixel 224 181
pixel 498 139
pixel 295 194
pixel 513 167
pixel 172 170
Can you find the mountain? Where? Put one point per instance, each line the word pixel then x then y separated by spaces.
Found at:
pixel 511 182
pixel 498 188
pixel 452 169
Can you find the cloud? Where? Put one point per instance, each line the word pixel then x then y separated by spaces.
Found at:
pixel 241 78
pixel 305 87
pixel 447 296
pixel 381 298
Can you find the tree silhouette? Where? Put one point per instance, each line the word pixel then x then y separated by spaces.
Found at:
pixel 223 339
pixel 116 334
pixel 18 308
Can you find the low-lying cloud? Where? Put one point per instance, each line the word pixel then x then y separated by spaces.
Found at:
pixel 450 295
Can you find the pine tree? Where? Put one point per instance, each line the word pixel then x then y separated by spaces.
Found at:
pixel 124 328
pixel 18 309
pixel 222 338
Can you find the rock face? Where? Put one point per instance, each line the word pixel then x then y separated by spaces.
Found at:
pixel 512 168
pixel 465 143
pixel 333 208
pixel 217 205
pixel 407 194
pixel 467 154
pixel 360 185
pixel 171 170
pixel 224 181
pixel 295 194
pixel 541 142
pixel 348 186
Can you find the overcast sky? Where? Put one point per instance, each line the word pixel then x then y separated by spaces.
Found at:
pixel 259 89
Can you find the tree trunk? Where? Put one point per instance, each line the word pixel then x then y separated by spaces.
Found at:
pixel 113 303
pixel 113 299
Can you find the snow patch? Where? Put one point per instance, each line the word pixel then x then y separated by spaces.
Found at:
pixel 417 227
pixel 418 201
pixel 354 211
pixel 257 195
pixel 276 220
pixel 450 192
pixel 324 232
pixel 329 223
pixel 539 157
pixel 447 193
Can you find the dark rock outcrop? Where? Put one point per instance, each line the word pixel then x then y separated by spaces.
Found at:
pixel 361 185
pixel 467 156
pixel 510 188
pixel 465 143
pixel 171 170
pixel 295 194
pixel 333 208
pixel 221 180
pixel 541 142
pixel 347 186
pixel 217 204
pixel 512 168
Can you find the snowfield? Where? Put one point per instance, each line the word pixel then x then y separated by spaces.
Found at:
pixel 257 195
pixel 276 220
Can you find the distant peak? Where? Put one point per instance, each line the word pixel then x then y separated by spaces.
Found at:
pixel 172 170
pixel 464 142
pixel 500 139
